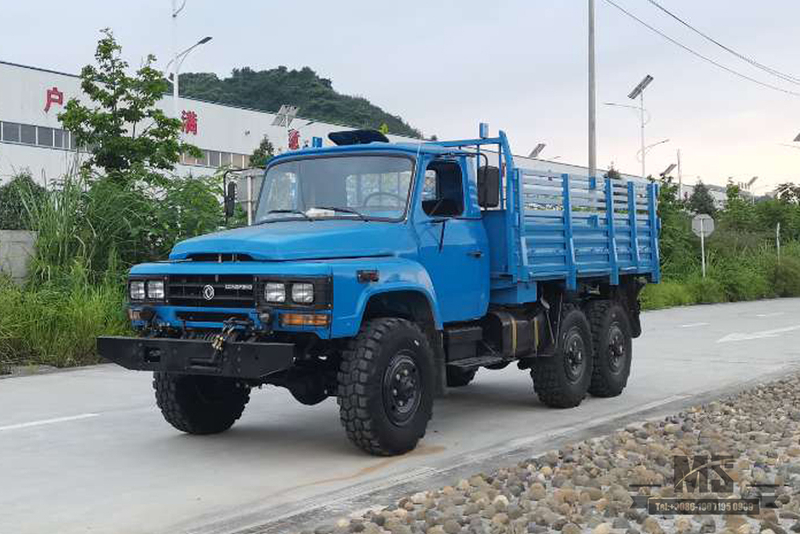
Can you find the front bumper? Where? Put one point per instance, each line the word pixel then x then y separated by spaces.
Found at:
pixel 197 357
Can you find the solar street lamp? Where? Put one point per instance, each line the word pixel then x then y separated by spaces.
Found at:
pixel 638 92
pixel 536 151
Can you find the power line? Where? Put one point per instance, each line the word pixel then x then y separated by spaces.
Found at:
pixel 699 55
pixel 786 77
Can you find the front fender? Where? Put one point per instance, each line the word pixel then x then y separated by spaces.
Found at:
pixel 350 296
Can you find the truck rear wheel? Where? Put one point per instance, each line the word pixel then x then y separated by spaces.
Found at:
pixel 198 404
pixel 457 378
pixel 386 385
pixel 562 380
pixel 612 340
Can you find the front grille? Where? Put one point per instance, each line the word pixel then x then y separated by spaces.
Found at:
pixel 226 290
pixel 210 317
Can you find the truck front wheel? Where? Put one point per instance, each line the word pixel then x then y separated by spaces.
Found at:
pixel 611 333
pixel 386 384
pixel 562 379
pixel 198 404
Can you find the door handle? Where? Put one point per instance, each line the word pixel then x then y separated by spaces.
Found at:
pixel 475 253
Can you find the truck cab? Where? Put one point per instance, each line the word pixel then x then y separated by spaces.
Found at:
pixel 380 274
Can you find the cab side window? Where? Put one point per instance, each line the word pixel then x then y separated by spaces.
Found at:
pixel 443 191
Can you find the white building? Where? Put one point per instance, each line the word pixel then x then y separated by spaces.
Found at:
pixel 32 138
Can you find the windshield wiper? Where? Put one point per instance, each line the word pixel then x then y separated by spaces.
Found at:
pixel 298 212
pixel 344 210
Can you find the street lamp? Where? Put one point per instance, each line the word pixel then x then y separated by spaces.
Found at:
pixel 669 170
pixel 638 92
pixel 536 151
pixel 650 147
pixel 176 63
pixel 284 117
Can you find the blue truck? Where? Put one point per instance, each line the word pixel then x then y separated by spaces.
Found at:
pixel 383 274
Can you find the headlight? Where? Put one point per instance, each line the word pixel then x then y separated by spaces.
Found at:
pixel 137 290
pixel 155 289
pixel 303 293
pixel 274 292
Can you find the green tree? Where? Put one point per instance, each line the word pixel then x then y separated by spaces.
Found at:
pixel 264 152
pixel 267 90
pixel 789 192
pixel 13 196
pixel 128 137
pixel 676 238
pixel 739 213
pixel 701 200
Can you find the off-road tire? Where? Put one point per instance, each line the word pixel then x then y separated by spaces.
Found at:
pixel 458 378
pixel 362 377
pixel 609 377
pixel 198 404
pixel 551 379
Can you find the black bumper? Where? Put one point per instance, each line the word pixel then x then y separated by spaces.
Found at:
pixel 197 357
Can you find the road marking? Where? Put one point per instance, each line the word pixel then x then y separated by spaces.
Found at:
pixel 776 314
pixel 49 421
pixel 758 335
pixel 694 325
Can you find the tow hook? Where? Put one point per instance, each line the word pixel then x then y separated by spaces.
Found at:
pixel 228 333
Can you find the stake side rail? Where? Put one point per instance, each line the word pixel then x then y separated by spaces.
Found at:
pixel 577 227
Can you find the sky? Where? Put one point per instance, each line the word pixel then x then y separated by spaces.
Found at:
pixel 520 65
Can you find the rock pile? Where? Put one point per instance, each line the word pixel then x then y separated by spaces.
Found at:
pixel 585 487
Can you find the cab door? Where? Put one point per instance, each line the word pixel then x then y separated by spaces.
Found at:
pixel 453 244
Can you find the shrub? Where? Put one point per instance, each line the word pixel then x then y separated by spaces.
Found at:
pixel 667 294
pixel 56 322
pixel 705 290
pixel 742 279
pixel 12 208
pixel 785 276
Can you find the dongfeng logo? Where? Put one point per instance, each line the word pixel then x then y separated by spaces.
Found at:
pixel 208 292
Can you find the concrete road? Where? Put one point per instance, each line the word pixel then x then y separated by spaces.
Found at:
pixel 87 450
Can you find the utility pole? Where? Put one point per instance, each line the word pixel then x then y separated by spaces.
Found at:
pixel 680 177
pixel 644 149
pixel 174 12
pixel 592 94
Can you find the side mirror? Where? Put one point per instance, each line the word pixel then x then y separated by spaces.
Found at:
pixel 230 199
pixel 488 187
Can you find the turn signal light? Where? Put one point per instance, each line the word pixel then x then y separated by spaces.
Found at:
pixel 304 319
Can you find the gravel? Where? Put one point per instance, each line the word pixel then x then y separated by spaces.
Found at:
pixel 584 486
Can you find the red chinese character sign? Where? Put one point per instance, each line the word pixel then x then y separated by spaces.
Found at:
pixel 294 139
pixel 189 119
pixel 54 96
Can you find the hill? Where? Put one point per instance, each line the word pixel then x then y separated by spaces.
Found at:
pixel 267 90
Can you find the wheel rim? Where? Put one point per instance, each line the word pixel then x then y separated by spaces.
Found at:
pixel 574 355
pixel 616 349
pixel 401 388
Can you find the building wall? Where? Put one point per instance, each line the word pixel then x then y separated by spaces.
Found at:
pixel 31 137
pixel 226 134
pixel 16 248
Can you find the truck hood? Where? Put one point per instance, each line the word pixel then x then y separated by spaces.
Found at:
pixel 303 240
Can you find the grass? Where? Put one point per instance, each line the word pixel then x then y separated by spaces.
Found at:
pixel 748 275
pixel 56 323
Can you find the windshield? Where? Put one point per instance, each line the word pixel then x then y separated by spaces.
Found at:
pixel 363 187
